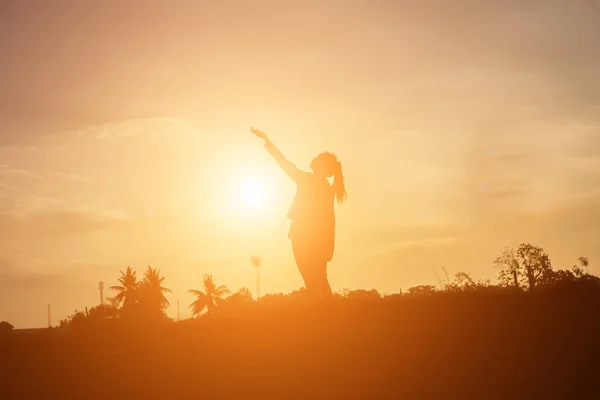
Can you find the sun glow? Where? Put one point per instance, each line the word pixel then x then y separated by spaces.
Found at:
pixel 252 194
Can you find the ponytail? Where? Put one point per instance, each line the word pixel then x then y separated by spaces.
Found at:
pixel 338 184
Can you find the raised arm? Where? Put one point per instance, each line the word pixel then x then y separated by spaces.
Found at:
pixel 290 169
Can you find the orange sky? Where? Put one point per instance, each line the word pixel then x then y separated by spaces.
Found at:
pixel 462 126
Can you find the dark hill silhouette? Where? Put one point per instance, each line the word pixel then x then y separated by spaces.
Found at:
pixel 533 336
pixel 474 342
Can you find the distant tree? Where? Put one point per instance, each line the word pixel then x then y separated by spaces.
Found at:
pixel 240 297
pixel 274 298
pixel 421 290
pixel 535 263
pixel 5 328
pixel 127 292
pixel 579 270
pixel 524 267
pixel 152 293
pixel 581 273
pixel 210 299
pixel 76 320
pixel 112 302
pixel 508 265
pixel 244 293
pixel 577 276
pixel 558 277
pixel 89 318
pixel 103 311
pixel 463 282
pixel 361 294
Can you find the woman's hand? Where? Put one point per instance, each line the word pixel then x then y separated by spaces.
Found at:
pixel 260 134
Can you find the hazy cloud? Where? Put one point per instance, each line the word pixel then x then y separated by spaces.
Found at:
pixel 12 279
pixel 150 128
pixel 72 177
pixel 17 173
pixel 534 60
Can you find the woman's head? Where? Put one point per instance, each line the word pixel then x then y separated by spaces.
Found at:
pixel 327 165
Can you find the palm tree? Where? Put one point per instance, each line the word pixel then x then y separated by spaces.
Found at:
pixel 210 299
pixel 128 290
pixel 112 302
pixel 153 282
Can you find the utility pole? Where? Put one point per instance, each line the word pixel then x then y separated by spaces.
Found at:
pixel 258 283
pixel 49 320
pixel 101 287
pixel 256 261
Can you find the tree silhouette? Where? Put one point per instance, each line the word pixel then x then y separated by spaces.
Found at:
pixel 89 318
pixel 534 262
pixel 77 319
pixel 152 293
pixel 464 282
pixel 128 290
pixel 421 290
pixel 524 267
pixel 210 299
pixel 5 328
pixel 102 311
pixel 112 302
pixel 244 293
pixel 508 265
pixel 579 269
pixel 242 296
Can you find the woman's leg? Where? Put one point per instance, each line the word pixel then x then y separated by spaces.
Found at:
pixel 321 281
pixel 311 261
pixel 304 261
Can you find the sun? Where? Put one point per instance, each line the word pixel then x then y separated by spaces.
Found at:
pixel 241 196
pixel 252 193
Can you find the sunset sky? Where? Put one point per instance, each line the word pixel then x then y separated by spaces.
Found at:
pixel 463 127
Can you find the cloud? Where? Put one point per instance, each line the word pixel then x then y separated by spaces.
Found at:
pixel 67 222
pixel 17 173
pixel 585 139
pixel 506 189
pixel 33 217
pixel 31 205
pixel 422 233
pixel 151 128
pixel 11 278
pixel 7 172
pixel 72 177
pixel 547 53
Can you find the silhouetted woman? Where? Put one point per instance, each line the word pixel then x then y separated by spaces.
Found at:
pixel 313 220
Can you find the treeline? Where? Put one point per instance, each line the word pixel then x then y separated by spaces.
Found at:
pixel 525 269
